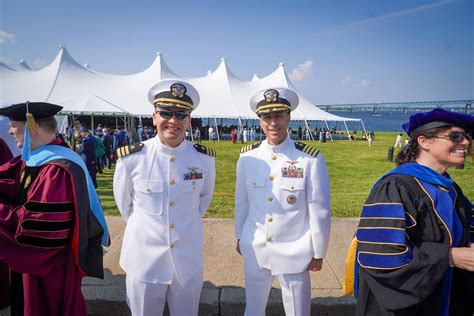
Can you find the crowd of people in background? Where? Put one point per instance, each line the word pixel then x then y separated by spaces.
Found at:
pixel 97 146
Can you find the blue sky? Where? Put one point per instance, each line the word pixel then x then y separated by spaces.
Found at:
pixel 335 51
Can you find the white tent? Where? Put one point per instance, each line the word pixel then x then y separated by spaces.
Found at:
pixel 81 90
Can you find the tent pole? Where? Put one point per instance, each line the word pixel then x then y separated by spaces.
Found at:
pixel 190 128
pixel 363 126
pixel 347 130
pixel 92 123
pixel 217 130
pixel 309 130
pixel 327 126
pixel 116 122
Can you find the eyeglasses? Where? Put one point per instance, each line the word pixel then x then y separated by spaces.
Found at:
pixel 456 137
pixel 167 115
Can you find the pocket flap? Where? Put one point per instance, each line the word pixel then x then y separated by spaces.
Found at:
pixel 148 186
pixel 256 182
pixel 293 185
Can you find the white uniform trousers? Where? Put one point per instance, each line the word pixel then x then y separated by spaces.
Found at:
pixel 146 299
pixel 295 290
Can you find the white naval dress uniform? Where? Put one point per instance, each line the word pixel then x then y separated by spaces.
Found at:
pixel 282 218
pixel 162 194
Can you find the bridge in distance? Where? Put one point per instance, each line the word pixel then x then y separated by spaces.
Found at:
pixel 405 107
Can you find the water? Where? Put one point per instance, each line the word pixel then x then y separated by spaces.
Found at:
pixel 383 121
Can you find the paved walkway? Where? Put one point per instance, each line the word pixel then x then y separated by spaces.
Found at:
pixel 223 292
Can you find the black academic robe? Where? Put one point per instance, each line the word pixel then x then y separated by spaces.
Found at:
pixel 411 281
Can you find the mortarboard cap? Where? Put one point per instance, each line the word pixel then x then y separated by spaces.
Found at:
pixel 424 121
pixel 39 110
pixel 274 100
pixel 171 93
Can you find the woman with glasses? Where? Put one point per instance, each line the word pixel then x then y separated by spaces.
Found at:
pixel 414 241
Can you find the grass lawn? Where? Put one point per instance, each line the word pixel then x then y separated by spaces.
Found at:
pixel 353 168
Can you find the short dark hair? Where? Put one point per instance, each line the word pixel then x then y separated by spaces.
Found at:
pixel 48 124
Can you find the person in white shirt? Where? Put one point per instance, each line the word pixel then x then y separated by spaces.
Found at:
pixel 163 188
pixel 282 209
pixel 210 131
pixel 399 141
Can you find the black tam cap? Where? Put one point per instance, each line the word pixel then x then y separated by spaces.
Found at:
pixel 39 110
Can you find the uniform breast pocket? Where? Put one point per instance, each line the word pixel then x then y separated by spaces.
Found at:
pixel 292 194
pixel 255 187
pixel 149 196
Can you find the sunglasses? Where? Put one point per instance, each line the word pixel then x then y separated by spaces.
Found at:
pixel 457 137
pixel 167 115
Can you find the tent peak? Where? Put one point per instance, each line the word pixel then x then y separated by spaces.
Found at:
pixel 222 59
pixel 158 54
pixel 255 77
pixel 24 64
pixel 281 64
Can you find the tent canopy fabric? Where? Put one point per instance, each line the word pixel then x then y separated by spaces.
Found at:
pixel 81 90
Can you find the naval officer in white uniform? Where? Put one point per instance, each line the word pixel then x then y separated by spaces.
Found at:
pixel 282 209
pixel 162 188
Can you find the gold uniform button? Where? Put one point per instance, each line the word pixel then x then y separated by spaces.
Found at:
pixel 270 219
pixel 171 203
pixel 172 158
pixel 270 198
pixel 274 157
pixel 172 245
pixel 269 238
pixel 171 226
pixel 271 178
pixel 172 181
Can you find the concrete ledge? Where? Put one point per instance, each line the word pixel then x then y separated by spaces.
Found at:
pixel 226 301
pixel 233 303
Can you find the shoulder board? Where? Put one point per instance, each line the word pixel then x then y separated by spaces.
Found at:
pixel 128 150
pixel 205 150
pixel 249 147
pixel 310 150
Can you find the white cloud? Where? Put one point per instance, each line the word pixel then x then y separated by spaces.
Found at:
pixel 302 71
pixel 5 37
pixel 350 26
pixel 365 83
pixel 346 80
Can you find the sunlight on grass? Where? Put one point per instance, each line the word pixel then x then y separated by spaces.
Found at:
pixel 353 168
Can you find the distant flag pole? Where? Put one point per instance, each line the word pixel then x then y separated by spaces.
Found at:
pixel 29 126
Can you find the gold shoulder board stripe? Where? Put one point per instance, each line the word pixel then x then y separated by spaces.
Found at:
pixel 310 150
pixel 205 150
pixel 249 147
pixel 128 150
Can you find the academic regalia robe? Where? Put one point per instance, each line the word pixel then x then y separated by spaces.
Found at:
pixel 49 235
pixel 406 229
pixel 5 156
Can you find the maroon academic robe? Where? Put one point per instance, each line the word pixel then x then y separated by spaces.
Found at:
pixel 39 236
pixel 5 156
